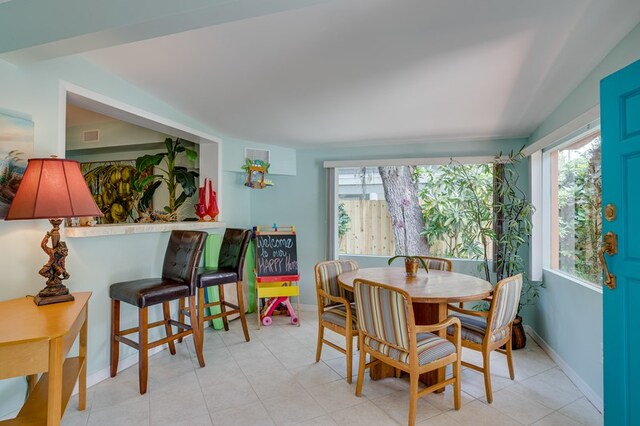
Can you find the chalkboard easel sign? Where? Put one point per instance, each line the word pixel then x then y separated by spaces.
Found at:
pixel 276 254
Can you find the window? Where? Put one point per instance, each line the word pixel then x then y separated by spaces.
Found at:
pixel 575 208
pixel 449 210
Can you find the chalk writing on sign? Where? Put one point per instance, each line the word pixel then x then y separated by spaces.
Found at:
pixel 276 255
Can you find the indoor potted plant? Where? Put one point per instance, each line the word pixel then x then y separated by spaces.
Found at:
pixel 510 230
pixel 173 176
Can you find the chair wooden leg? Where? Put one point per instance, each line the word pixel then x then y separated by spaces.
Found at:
pixel 223 309
pixel 414 378
pixel 143 348
pixel 243 319
pixel 456 384
pixel 510 360
pixel 361 366
pixel 349 351
pixel 320 338
pixel 115 331
pixel 181 307
pixel 166 310
pixel 486 360
pixel 202 301
pixel 197 331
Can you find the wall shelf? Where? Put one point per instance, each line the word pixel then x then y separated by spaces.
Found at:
pixel 136 228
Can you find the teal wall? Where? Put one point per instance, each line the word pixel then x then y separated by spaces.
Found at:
pixel 568 316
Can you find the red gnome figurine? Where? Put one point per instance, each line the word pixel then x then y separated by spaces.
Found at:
pixel 207 207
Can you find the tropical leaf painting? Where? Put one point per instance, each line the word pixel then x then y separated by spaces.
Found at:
pixel 16 146
pixel 110 183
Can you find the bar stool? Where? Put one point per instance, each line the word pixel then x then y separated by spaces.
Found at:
pixel 178 281
pixel 230 270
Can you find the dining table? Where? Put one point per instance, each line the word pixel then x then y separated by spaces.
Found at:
pixel 430 293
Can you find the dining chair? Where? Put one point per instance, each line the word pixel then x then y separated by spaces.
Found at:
pixel 178 281
pixel 230 270
pixel 437 263
pixel 335 308
pixel 488 331
pixel 388 333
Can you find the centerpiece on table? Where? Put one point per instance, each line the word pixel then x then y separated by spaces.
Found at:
pixel 411 263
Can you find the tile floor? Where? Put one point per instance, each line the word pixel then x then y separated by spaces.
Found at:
pixel 274 380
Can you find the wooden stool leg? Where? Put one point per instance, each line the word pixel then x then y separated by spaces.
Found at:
pixel 115 331
pixel 243 320
pixel 202 301
pixel 197 331
pixel 181 309
pixel 143 348
pixel 223 308
pixel 166 309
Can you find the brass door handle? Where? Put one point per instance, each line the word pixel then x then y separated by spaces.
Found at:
pixel 609 247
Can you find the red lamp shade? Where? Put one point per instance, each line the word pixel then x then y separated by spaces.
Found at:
pixel 52 188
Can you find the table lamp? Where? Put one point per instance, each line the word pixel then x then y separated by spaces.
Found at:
pixel 53 188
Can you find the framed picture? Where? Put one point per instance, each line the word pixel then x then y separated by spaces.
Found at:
pixel 110 183
pixel 16 146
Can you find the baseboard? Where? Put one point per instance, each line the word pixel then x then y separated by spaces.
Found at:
pixel 588 392
pixel 308 308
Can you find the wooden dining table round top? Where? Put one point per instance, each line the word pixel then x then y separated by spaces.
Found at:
pixel 427 287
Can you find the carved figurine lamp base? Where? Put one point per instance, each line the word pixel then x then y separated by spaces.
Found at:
pixel 54 270
pixel 53 188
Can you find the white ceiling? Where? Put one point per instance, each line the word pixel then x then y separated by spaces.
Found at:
pixel 356 72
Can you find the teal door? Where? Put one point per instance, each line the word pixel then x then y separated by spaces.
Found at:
pixel 620 120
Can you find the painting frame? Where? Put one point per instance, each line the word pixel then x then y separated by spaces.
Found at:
pixel 16 147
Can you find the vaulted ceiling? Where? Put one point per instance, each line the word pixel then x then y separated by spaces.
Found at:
pixel 359 71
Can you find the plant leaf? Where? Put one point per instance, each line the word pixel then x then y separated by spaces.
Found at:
pixel 146 161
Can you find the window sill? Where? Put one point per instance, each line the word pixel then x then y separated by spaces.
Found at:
pixel 574 280
pixel 136 228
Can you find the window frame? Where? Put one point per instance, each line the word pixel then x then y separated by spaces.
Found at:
pixel 549 222
pixel 333 196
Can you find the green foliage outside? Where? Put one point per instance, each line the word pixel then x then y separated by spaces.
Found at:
pixel 579 204
pixel 344 221
pixel 472 210
pixel 457 213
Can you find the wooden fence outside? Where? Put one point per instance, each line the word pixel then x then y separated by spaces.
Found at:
pixel 370 230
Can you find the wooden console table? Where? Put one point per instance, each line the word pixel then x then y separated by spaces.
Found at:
pixel 36 339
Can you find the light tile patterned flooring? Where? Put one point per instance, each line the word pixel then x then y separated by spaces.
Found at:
pixel 274 380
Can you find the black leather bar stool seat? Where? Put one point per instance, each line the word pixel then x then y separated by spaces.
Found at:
pixel 208 277
pixel 178 282
pixel 147 292
pixel 230 270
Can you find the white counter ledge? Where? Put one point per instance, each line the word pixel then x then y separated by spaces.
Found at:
pixel 136 228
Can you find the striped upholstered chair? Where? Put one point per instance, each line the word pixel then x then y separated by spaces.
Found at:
pixel 388 333
pixel 335 308
pixel 437 263
pixel 488 331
